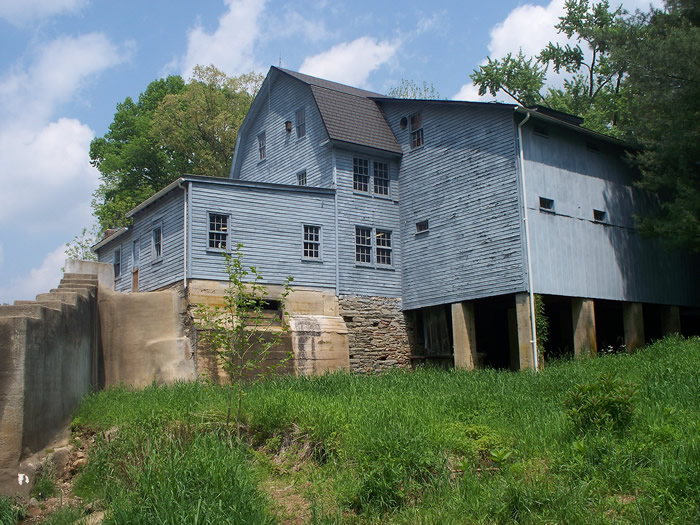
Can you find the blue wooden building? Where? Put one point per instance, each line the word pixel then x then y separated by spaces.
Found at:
pixel 421 228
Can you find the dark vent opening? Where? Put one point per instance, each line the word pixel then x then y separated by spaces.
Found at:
pixel 546 204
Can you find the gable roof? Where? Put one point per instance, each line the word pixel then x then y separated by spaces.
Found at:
pixel 349 114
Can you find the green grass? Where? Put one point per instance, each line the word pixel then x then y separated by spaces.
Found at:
pixel 422 446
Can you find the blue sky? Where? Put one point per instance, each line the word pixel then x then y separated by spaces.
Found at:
pixel 65 64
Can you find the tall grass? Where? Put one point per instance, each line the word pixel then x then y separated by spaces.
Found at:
pixel 422 446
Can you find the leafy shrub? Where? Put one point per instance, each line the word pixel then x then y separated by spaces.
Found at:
pixel 606 403
pixel 45 484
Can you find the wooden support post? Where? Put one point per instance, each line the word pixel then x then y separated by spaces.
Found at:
pixel 633 319
pixel 670 320
pixel 464 335
pixel 583 323
pixel 522 315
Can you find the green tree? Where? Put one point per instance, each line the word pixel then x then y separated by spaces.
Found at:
pixel 240 330
pixel 595 88
pixel 79 247
pixel 662 53
pixel 411 89
pixel 173 128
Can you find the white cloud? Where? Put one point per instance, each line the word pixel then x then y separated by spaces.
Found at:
pixel 230 48
pixel 292 23
pixel 22 11
pixel 37 280
pixel 351 62
pixel 471 92
pixel 428 23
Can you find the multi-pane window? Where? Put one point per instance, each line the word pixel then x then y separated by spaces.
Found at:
pixel 380 170
pixel 157 242
pixel 383 239
pixel 301 178
pixel 218 231
pixel 416 130
pixel 117 263
pixel 300 117
pixel 422 226
pixel 312 242
pixel 363 245
pixel 261 146
pixel 360 174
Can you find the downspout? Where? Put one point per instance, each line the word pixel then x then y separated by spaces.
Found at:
pixel 335 213
pixel 533 342
pixel 184 235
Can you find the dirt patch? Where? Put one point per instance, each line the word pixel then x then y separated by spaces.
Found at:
pixel 288 505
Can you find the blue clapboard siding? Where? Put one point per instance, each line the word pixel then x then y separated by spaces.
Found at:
pixel 152 274
pixel 372 211
pixel 268 221
pixel 575 256
pixel 286 155
pixel 464 182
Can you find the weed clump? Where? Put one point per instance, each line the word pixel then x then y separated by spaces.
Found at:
pixel 604 404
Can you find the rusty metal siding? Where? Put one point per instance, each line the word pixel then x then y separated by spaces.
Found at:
pixel 286 155
pixel 574 255
pixel 268 222
pixel 464 182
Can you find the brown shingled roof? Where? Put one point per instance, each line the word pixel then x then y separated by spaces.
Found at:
pixel 349 114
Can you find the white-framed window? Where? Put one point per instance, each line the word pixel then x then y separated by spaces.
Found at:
pixel 135 254
pixel 261 146
pixel 380 173
pixel 312 242
pixel 383 244
pixel 363 245
pixel 218 231
pixel 360 174
pixel 416 122
pixel 300 122
pixel 117 262
pixel 157 242
pixel 301 178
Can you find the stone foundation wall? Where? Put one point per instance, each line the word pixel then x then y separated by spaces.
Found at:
pixel 377 331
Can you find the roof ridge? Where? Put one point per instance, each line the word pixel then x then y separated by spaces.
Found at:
pixel 329 84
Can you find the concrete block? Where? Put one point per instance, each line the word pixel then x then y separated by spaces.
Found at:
pixel 583 322
pixel 525 344
pixel 670 320
pixel 464 335
pixel 633 319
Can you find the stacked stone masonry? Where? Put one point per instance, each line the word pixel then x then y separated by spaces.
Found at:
pixel 378 337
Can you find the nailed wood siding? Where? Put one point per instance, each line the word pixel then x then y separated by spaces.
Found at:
pixel 575 256
pixel 152 275
pixel 286 155
pixel 369 210
pixel 268 222
pixel 464 182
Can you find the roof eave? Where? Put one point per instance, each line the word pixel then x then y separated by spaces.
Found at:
pixel 121 231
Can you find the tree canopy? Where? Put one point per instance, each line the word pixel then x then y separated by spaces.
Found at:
pixel 411 89
pixel 173 128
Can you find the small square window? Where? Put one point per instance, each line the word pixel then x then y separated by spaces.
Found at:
pixel 599 215
pixel 416 130
pixel 422 226
pixel 301 178
pixel 312 242
pixel 363 245
pixel 383 238
pixel 117 262
pixel 300 117
pixel 380 171
pixel 261 146
pixel 360 174
pixel 218 231
pixel 546 204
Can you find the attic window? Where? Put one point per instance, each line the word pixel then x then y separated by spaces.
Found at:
pixel 546 205
pixel 301 178
pixel 300 117
pixel 416 130
pixel 592 146
pixel 422 227
pixel 542 131
pixel 599 215
pixel 261 146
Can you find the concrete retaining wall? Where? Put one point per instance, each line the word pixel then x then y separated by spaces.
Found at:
pixel 49 359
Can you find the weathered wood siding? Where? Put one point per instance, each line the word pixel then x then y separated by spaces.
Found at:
pixel 153 274
pixel 464 182
pixel 286 155
pixel 369 210
pixel 572 254
pixel 268 221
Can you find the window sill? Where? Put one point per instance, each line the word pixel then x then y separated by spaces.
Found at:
pixel 213 251
pixel 311 260
pixel 387 198
pixel 157 261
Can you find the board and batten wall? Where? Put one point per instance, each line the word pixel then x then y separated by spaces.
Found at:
pixel 268 220
pixel 463 181
pixel 286 155
pixel 577 256
pixel 154 273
